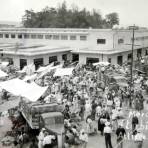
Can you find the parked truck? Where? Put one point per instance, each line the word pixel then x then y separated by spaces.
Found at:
pixel 47 115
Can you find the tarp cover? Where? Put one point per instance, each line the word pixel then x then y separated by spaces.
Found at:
pixel 29 69
pixel 5 63
pixel 45 68
pixel 101 63
pixel 32 77
pixel 63 72
pixel 2 74
pixel 18 87
pixel 49 69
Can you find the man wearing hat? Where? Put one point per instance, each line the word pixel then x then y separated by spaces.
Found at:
pixel 107 134
pixel 139 137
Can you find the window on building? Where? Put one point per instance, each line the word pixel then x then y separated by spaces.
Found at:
pixel 33 36
pixel 101 41
pixel 72 37
pixel 120 41
pixel 56 37
pixel 52 59
pixel 20 36
pixel 109 60
pixel 1 35
pixel 83 38
pixel 64 37
pixel 6 35
pixel 39 36
pixel 38 62
pixel 23 62
pixel 48 37
pixel 26 36
pixel 12 36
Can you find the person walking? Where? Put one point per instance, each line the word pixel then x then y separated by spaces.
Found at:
pixel 120 132
pixel 107 134
pixel 135 122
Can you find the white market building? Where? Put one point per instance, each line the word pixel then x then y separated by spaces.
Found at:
pixel 42 46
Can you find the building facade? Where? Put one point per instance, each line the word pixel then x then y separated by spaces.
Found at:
pixel 42 46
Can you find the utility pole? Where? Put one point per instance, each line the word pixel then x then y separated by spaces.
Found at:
pixel 132 58
pixel 133 28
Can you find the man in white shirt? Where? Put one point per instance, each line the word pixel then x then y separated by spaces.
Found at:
pixel 107 134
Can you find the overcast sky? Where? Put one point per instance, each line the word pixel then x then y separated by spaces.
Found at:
pixel 130 11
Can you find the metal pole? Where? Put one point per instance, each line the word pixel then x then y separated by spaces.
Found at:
pixel 133 38
pixel 131 85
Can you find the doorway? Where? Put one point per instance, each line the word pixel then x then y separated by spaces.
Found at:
pixel 23 63
pixel 120 60
pixel 38 63
pixel 75 57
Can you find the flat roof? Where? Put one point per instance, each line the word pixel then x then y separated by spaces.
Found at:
pixel 116 50
pixel 33 50
pixel 66 30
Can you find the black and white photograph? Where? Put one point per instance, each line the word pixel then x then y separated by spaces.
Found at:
pixel 73 74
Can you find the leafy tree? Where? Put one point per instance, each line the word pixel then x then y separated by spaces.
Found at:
pixel 29 19
pixel 112 19
pixel 62 17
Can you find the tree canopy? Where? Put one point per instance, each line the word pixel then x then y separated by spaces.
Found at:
pixel 62 17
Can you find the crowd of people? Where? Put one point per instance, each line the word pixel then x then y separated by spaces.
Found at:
pixel 92 97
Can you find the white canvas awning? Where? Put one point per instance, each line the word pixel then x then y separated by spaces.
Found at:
pixel 29 69
pixel 2 74
pixel 18 87
pixel 101 63
pixel 32 77
pixel 23 70
pixel 63 72
pixel 5 63
pixel 49 69
pixel 45 68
